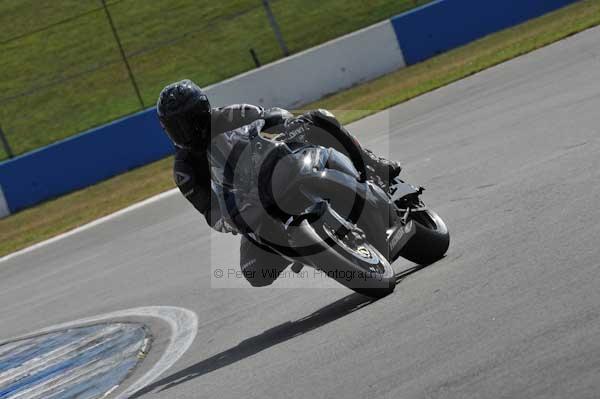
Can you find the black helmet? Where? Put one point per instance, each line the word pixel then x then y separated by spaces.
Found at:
pixel 184 113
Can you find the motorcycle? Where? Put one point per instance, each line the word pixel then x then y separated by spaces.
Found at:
pixel 314 206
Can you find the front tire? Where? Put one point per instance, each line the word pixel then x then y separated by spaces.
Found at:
pixel 354 263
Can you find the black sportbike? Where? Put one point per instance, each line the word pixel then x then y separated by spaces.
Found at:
pixel 314 206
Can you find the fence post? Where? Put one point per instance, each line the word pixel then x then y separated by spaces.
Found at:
pixel 116 36
pixel 5 144
pixel 275 27
pixel 255 58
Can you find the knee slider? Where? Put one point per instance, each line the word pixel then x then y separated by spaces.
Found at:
pixel 260 277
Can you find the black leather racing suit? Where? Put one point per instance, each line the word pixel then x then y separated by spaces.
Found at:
pixel 192 172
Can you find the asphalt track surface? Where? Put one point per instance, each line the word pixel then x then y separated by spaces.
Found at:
pixel 511 160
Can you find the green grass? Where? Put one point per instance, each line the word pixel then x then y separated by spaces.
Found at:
pixel 62 214
pixel 68 76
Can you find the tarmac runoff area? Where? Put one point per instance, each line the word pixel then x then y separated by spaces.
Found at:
pixel 510 158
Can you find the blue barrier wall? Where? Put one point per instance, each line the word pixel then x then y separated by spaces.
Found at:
pixel 83 160
pixel 96 155
pixel 446 24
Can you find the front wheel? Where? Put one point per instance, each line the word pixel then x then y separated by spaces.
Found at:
pixel 430 241
pixel 345 256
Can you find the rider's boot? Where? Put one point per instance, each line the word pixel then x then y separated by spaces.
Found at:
pixel 379 169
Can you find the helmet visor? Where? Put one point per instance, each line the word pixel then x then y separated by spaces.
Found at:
pixel 188 129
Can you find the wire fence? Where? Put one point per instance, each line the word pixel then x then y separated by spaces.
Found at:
pixel 82 63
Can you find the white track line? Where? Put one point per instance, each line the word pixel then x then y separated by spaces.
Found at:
pixel 182 322
pixel 89 225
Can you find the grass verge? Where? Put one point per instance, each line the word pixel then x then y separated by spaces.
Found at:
pixel 60 59
pixel 62 214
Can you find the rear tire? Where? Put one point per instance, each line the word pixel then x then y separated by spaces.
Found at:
pixel 430 241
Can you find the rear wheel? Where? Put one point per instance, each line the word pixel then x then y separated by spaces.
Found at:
pixel 431 239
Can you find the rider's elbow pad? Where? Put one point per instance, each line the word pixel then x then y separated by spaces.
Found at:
pixel 276 116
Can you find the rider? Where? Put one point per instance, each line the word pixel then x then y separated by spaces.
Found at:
pixel 187 118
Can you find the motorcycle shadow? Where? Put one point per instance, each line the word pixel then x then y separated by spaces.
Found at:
pixel 407 272
pixel 269 338
pixel 263 341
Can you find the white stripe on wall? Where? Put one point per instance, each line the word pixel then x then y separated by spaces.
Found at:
pixel 312 74
pixel 4 210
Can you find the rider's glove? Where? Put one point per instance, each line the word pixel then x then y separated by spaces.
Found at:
pixel 224 226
